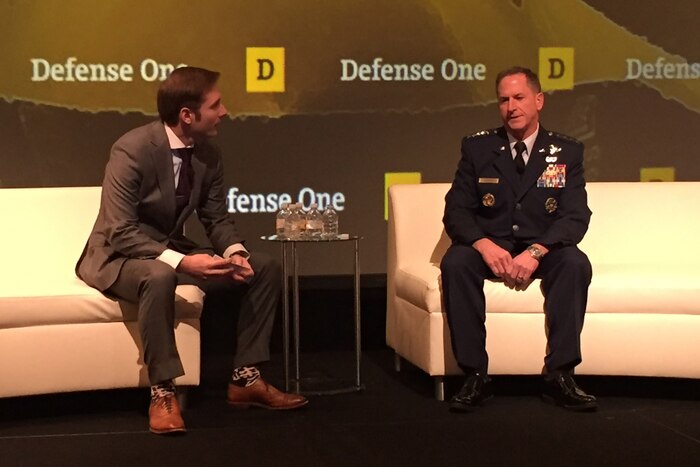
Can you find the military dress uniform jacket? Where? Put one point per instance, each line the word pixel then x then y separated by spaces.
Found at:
pixel 138 217
pixel 489 199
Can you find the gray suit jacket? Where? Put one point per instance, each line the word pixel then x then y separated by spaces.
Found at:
pixel 137 217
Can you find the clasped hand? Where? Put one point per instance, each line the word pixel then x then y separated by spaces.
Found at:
pixel 204 266
pixel 515 272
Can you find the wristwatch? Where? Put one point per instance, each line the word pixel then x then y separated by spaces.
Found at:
pixel 535 252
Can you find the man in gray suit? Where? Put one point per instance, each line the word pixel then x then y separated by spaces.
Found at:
pixel 157 175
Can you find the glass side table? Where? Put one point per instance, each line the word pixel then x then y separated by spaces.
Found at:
pixel 297 381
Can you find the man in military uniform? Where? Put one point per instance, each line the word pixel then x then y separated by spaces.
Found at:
pixel 516 211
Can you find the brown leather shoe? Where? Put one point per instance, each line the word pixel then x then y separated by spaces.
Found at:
pixel 261 394
pixel 164 415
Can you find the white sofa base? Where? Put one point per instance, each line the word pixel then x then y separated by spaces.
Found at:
pixel 630 344
pixel 76 357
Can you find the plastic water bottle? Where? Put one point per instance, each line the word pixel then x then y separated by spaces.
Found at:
pixel 314 223
pixel 292 223
pixel 281 219
pixel 330 222
pixel 302 222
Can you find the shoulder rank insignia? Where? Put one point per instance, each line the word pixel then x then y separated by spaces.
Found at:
pixel 564 137
pixel 482 133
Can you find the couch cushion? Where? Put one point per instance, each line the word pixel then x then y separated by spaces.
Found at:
pixel 420 285
pixel 665 289
pixel 629 217
pixel 44 232
pixel 73 301
pixel 614 289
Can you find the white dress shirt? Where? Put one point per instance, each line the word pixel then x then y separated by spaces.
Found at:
pixel 172 257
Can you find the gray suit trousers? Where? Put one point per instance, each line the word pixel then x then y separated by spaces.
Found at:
pixel 151 285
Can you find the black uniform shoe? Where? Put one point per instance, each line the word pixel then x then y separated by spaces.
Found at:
pixel 476 389
pixel 562 390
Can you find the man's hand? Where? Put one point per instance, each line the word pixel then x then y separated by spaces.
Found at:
pixel 519 277
pixel 495 257
pixel 203 266
pixel 524 265
pixel 242 271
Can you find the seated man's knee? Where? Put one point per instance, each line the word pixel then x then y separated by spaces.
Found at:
pixel 575 260
pixel 265 266
pixel 160 275
pixel 459 258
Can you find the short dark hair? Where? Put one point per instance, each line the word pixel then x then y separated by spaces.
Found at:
pixel 532 79
pixel 185 87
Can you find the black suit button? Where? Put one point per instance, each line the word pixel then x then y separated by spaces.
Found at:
pixel 518 206
pixel 516 228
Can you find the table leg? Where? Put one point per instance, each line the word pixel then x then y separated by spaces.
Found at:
pixel 285 317
pixel 295 309
pixel 358 327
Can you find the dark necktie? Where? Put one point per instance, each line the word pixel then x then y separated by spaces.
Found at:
pixel 519 160
pixel 184 184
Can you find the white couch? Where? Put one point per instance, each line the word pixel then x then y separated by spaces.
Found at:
pixel 643 315
pixel 56 333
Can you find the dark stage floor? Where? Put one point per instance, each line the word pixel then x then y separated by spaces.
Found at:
pixel 394 422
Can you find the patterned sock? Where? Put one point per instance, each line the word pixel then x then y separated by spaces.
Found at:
pixel 244 376
pixel 166 388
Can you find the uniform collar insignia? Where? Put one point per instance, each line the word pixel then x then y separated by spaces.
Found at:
pixel 554 149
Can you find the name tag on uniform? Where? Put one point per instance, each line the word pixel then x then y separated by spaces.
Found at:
pixel 554 176
pixel 488 180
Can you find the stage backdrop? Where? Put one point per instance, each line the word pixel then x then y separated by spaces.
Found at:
pixel 333 101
